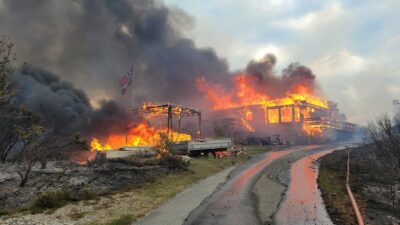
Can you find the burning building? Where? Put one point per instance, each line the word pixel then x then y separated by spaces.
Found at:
pixel 298 122
pixel 259 103
pixel 254 103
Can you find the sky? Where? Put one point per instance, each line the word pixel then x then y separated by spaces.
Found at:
pixel 352 46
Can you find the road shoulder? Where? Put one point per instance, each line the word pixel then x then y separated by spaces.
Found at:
pixel 176 210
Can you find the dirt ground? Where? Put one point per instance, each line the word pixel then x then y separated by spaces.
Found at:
pixel 97 178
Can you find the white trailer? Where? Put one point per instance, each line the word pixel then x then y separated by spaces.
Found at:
pixel 130 151
pixel 194 148
pixel 208 146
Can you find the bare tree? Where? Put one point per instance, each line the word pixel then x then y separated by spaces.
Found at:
pixel 43 142
pixel 7 89
pixel 35 137
pixel 8 111
pixel 384 135
pixel 32 152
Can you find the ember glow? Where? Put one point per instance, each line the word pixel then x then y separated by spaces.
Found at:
pixel 141 134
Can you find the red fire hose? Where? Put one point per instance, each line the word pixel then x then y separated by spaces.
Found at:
pixel 350 193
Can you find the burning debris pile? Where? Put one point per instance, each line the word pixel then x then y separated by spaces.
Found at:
pixel 143 134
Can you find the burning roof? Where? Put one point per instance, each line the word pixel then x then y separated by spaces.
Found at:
pixel 292 97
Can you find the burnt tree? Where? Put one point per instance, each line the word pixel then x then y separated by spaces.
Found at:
pixel 384 135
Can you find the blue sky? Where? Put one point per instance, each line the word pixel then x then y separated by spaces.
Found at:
pixel 352 46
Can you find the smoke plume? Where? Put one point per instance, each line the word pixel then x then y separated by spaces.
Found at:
pixel 89 44
pixel 278 85
pixel 92 43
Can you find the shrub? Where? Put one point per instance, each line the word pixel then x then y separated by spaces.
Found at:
pixel 123 220
pixel 174 163
pixel 58 199
pixel 51 200
pixel 164 146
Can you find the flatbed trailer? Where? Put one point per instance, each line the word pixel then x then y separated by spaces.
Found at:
pixel 208 146
pixel 191 148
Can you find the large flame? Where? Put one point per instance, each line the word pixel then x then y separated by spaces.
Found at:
pixel 247 92
pixel 141 134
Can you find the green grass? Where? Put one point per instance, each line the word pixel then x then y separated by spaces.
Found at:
pixel 127 219
pixel 57 199
pixel 9 212
pixel 51 200
pixel 331 181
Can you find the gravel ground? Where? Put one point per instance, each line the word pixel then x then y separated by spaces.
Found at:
pixel 80 213
pixel 267 201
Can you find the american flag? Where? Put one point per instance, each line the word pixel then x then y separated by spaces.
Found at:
pixel 126 80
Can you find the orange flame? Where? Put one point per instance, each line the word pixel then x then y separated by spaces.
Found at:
pixel 248 92
pixel 141 134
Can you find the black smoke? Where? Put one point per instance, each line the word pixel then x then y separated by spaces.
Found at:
pixel 42 91
pixel 60 103
pixel 270 82
pixel 92 43
pixel 89 44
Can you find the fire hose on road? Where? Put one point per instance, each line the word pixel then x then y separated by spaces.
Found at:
pixel 350 193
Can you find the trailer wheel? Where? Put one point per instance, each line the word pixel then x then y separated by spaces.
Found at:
pixel 210 154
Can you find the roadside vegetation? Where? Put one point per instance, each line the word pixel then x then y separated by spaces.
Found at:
pixel 331 182
pixel 122 220
pixel 374 176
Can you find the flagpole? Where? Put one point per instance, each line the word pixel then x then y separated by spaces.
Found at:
pixel 133 89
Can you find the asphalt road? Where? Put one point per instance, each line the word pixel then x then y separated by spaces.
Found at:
pixel 178 208
pixel 237 203
pixel 233 203
pixel 303 204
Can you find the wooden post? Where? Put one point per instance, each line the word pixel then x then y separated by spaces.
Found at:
pixel 179 124
pixel 126 135
pixel 293 114
pixel 199 130
pixel 169 123
pixel 280 115
pixel 133 89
